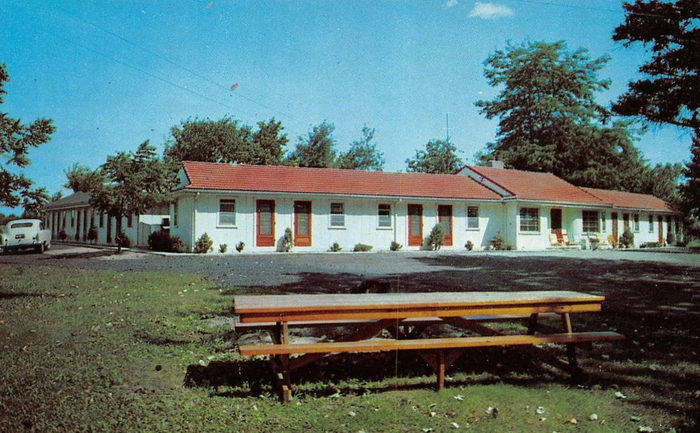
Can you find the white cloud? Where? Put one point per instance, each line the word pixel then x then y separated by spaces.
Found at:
pixel 490 11
pixel 450 4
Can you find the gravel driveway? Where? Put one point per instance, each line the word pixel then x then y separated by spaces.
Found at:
pixel 334 272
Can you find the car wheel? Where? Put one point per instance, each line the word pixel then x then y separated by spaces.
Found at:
pixel 40 248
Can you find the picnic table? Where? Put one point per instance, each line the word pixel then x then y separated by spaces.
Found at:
pixel 407 315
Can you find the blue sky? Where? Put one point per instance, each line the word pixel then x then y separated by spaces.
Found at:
pixel 113 74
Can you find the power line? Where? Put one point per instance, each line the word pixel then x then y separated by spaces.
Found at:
pixel 591 8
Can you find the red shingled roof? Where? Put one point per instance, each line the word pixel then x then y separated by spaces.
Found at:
pixel 630 199
pixel 216 176
pixel 530 185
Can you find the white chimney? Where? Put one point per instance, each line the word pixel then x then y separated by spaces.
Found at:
pixel 497 164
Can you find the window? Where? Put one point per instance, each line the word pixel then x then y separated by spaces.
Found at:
pixel 337 215
pixel 227 212
pixel 590 221
pixel 529 219
pixel 603 222
pixel 384 215
pixel 651 223
pixel 472 217
pixel 175 206
pixel 635 220
pixel 72 218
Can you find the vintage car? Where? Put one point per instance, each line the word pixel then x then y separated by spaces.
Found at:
pixel 23 234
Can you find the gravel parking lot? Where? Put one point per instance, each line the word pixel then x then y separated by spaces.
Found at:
pixel 338 272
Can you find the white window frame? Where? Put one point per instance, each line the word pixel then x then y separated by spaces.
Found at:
pixel 340 216
pixel 537 219
pixel 595 220
pixel 474 218
pixel 221 213
pixel 379 217
pixel 176 204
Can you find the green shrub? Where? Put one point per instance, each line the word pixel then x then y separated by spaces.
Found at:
pixel 335 247
pixel 62 235
pixel 287 241
pixel 240 246
pixel 627 238
pixel 469 245
pixel 177 245
pixel 650 245
pixel 204 244
pixel 670 238
pixel 498 243
pixel 223 248
pixel 437 237
pixel 362 247
pixel 395 246
pixel 160 241
pixel 122 240
pixel 92 234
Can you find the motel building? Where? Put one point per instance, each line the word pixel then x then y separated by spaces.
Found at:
pixel 529 210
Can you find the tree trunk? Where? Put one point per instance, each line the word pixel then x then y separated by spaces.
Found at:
pixel 119 232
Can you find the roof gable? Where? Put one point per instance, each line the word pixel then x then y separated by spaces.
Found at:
pixel 261 178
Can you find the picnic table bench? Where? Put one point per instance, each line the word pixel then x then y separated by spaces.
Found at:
pixel 407 315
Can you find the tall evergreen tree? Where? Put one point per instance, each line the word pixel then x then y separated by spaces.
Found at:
pixel 549 119
pixel 363 154
pixel 317 149
pixel 690 190
pixel 16 139
pixel 439 156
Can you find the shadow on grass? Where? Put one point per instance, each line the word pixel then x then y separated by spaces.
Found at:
pixel 655 305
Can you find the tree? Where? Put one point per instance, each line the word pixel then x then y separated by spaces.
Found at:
pixel 439 156
pixel 549 120
pixel 317 149
pixel 131 184
pixel 669 91
pixel 690 190
pixel 81 179
pixel 34 202
pixel 662 181
pixel 363 154
pixel 268 143
pixel 16 139
pixel 221 140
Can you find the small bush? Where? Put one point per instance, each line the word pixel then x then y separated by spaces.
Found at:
pixel 437 237
pixel 498 243
pixel 160 241
pixel 122 240
pixel 177 245
pixel 469 245
pixel 395 246
pixel 650 245
pixel 627 238
pixel 670 238
pixel 595 243
pixel 287 241
pixel 335 247
pixel 240 246
pixel 92 234
pixel 204 244
pixel 362 247
pixel 223 248
pixel 62 235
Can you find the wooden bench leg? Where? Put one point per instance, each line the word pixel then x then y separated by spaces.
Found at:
pixel 532 324
pixel 440 361
pixel 574 370
pixel 280 368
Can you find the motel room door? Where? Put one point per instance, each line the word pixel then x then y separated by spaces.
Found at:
pixel 302 223
pixel 613 217
pixel 445 218
pixel 660 220
pixel 555 220
pixel 415 225
pixel 265 232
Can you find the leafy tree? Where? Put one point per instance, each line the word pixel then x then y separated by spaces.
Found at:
pixel 268 143
pixel 221 140
pixel 669 91
pixel 549 120
pixel 439 156
pixel 316 149
pixel 363 154
pixel 81 179
pixel 131 184
pixel 16 139
pixel 34 202
pixel 57 196
pixel 662 181
pixel 690 190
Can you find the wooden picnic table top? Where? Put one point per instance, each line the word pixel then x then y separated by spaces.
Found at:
pixel 252 308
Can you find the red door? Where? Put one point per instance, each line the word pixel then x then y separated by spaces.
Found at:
pixel 660 219
pixel 265 233
pixel 415 225
pixel 445 218
pixel 302 223
pixel 613 217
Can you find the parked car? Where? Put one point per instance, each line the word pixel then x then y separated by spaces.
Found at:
pixel 26 233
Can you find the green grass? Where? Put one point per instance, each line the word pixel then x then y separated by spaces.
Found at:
pixel 106 351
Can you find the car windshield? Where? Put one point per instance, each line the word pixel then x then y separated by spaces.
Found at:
pixel 21 225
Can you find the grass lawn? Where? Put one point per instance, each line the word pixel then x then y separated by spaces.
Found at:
pixel 150 352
